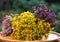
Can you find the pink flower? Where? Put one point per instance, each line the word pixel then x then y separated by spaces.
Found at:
pixel 6 26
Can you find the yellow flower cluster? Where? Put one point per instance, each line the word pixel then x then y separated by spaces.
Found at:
pixel 26 27
pixel 22 25
pixel 44 27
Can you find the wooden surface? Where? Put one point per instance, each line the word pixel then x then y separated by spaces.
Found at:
pixel 8 39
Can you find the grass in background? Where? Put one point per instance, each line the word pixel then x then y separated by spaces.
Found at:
pixel 0 28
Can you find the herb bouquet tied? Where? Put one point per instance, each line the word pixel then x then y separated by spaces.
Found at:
pixel 29 26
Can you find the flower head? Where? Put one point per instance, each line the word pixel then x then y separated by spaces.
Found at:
pixel 43 12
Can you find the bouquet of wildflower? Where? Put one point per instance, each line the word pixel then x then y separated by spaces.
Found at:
pixel 26 26
pixel 43 12
pixel 6 26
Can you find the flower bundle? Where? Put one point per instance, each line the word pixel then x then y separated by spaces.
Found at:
pixel 26 26
pixel 6 26
pixel 44 12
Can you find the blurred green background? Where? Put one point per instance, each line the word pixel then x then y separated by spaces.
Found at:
pixel 18 6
